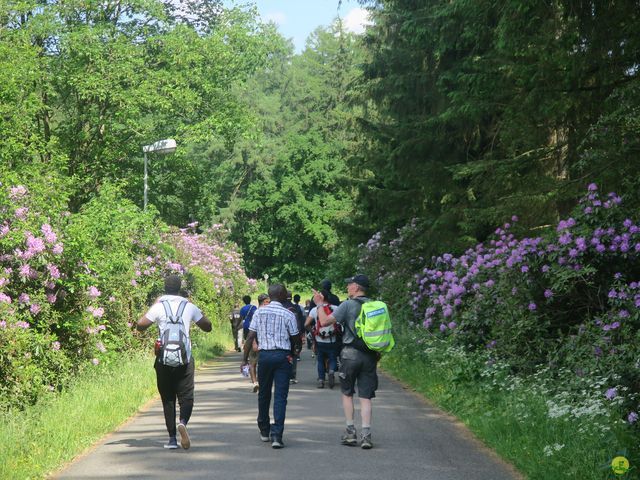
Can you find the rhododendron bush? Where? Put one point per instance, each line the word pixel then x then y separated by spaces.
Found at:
pixel 566 300
pixel 72 285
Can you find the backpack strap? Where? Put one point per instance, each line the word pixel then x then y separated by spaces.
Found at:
pixel 358 343
pixel 181 307
pixel 361 302
pixel 167 309
pixel 169 313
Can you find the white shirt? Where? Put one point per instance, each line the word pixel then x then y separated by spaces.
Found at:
pixel 157 315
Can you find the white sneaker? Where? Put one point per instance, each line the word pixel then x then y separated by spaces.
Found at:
pixel 185 441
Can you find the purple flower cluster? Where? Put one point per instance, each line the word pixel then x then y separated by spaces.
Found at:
pixel 211 252
pixel 451 285
pixel 29 271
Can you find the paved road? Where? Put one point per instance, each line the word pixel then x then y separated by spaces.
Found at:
pixel 412 440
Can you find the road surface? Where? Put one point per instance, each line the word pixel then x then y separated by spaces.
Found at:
pixel 412 440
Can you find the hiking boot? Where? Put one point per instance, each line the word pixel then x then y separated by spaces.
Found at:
pixel 264 435
pixel 349 437
pixel 332 379
pixel 320 383
pixel 172 444
pixel 256 387
pixel 185 441
pixel 276 442
pixel 365 443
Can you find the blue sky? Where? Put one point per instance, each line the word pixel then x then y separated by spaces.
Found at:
pixel 296 19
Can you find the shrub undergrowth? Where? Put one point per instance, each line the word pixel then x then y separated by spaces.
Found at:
pixel 72 285
pixel 545 326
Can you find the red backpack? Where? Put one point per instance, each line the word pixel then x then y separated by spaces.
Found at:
pixel 331 332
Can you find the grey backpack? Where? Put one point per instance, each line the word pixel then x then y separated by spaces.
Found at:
pixel 175 348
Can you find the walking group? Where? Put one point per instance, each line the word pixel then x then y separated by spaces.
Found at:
pixel 270 336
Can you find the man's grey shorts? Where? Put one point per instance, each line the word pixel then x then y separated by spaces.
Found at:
pixel 359 368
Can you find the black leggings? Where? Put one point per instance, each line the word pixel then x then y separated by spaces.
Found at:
pixel 175 382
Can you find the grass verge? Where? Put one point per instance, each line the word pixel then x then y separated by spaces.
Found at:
pixel 43 437
pixel 512 415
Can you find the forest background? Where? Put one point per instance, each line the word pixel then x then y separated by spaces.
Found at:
pixel 396 153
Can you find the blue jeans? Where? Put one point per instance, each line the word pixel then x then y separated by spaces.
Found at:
pixel 273 368
pixel 326 350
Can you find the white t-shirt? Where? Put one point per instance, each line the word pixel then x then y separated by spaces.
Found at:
pixel 158 316
pixel 327 338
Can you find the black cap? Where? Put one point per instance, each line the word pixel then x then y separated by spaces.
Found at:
pixel 360 279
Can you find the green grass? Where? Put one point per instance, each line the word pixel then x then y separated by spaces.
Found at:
pixel 513 423
pixel 43 437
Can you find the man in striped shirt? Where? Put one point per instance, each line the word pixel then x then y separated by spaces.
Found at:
pixel 276 331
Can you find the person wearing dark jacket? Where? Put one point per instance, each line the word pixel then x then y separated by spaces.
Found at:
pixel 332 299
pixel 295 309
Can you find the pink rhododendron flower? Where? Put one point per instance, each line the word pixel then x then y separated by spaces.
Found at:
pixel 35 244
pixel 17 192
pixel 25 271
pixel 93 292
pixel 21 213
pixel 53 271
pixel 49 235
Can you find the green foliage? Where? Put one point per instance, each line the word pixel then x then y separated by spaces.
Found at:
pixel 108 223
pixel 87 85
pixel 29 364
pixel 72 285
pixel 479 110
pixel 283 192
pixel 539 423
pixel 33 439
